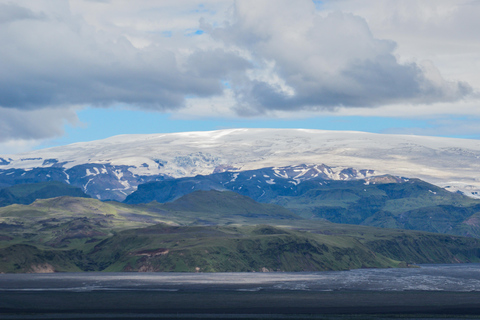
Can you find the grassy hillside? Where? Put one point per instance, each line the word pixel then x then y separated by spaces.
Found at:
pixel 384 201
pixel 22 258
pixel 245 249
pixel 68 222
pixel 220 249
pixel 28 193
pixel 206 231
pixel 220 208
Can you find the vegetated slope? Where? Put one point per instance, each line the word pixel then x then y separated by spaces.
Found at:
pixel 246 249
pixel 29 192
pixel 220 208
pixel 161 248
pixel 220 249
pixel 68 222
pixel 381 201
pixel 78 234
pixel 267 248
pixel 113 167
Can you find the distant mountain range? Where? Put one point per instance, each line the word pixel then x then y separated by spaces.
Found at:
pixel 113 168
pixel 30 192
pixel 380 201
pixel 241 200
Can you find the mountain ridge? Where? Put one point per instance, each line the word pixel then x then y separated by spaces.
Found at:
pixel 112 168
pixel 29 193
pixel 84 234
pixel 381 201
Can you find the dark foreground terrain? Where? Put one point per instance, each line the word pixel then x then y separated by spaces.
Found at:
pixel 238 305
pixel 426 292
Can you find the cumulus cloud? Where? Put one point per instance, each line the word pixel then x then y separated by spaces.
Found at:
pixel 259 56
pixel 11 12
pixel 62 60
pixel 442 31
pixel 325 61
pixel 23 125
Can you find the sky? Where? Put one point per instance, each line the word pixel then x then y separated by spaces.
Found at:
pixel 82 70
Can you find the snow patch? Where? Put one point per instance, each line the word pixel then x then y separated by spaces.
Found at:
pixel 86 185
pixel 67 175
pixel 118 174
pixel 270 181
pixel 279 174
pixel 235 176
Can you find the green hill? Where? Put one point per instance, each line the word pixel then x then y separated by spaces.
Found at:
pixel 245 249
pixel 207 231
pixel 239 249
pixel 68 222
pixel 257 248
pixel 220 208
pixel 383 201
pixel 28 193
pixel 71 222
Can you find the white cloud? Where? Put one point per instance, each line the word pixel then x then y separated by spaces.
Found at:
pixel 442 31
pixel 63 60
pixel 31 125
pixel 327 60
pixel 268 58
pixel 17 146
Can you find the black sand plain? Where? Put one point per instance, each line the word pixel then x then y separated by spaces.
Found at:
pixel 215 304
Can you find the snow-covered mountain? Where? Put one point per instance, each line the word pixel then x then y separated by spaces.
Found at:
pixel 112 168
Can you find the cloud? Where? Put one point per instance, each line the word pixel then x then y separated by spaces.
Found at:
pixel 457 126
pixel 325 61
pixel 58 55
pixel 10 12
pixel 24 125
pixel 62 60
pixel 243 58
pixel 441 31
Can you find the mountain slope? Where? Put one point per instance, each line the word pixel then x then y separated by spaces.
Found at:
pixel 69 222
pixel 244 249
pixel 227 204
pixel 112 168
pixel 28 193
pixel 381 201
pixel 206 231
pixel 240 249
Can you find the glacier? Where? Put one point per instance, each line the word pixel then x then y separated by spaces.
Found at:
pixel 121 163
